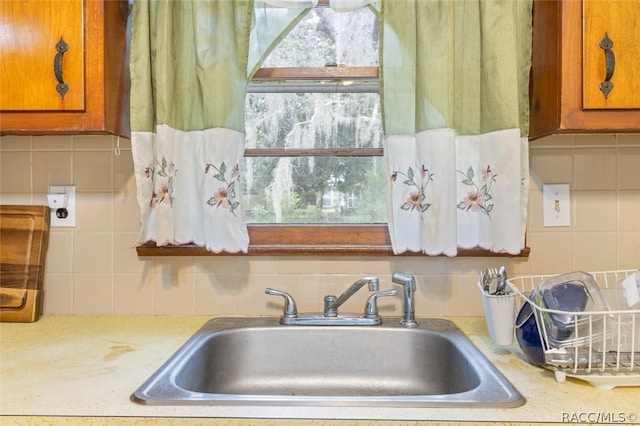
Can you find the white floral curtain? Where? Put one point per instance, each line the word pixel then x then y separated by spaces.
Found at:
pixel 455 96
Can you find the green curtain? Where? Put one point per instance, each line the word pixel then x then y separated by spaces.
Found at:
pixel 460 64
pixel 188 63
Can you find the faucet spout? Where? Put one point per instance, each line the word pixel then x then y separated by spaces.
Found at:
pixel 408 310
pixel 332 304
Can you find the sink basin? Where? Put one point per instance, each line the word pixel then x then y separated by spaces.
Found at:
pixel 257 361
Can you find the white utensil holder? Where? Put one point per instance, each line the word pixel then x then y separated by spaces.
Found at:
pixel 499 312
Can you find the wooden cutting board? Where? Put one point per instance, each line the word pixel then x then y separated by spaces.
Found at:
pixel 24 236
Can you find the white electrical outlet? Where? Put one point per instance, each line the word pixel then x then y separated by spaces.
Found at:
pixel 556 205
pixel 60 218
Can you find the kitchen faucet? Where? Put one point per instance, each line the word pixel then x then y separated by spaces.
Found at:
pixel 408 308
pixel 332 303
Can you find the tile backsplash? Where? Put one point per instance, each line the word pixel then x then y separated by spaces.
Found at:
pixel 94 269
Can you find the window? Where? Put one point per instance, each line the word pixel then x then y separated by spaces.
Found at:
pixel 314 173
pixel 314 169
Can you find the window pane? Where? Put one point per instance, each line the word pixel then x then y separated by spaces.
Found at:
pixel 317 187
pixel 306 189
pixel 313 120
pixel 326 37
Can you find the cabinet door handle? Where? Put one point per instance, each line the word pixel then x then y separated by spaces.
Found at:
pixel 62 88
pixel 610 63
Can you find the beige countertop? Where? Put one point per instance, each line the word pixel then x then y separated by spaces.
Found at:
pixel 63 367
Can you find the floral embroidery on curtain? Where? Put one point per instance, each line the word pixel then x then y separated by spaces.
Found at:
pixel 417 182
pixel 162 180
pixel 225 196
pixel 478 199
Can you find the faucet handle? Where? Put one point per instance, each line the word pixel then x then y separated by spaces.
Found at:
pixel 290 310
pixel 371 307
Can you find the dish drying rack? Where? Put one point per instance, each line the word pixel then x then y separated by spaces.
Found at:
pixel 604 347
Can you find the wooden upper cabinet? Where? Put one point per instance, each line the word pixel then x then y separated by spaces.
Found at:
pixel 30 32
pixel 568 67
pixel 611 66
pixel 63 67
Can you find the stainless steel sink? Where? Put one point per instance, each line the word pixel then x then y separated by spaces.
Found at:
pixel 257 361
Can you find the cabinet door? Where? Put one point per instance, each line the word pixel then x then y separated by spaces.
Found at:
pixel 614 69
pixel 29 33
